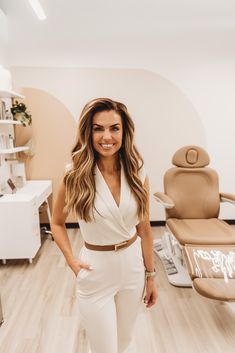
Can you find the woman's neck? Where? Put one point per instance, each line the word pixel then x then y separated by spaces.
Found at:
pixel 109 165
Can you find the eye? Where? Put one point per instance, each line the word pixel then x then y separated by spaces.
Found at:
pixel 97 128
pixel 115 128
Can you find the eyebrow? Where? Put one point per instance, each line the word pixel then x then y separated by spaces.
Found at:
pixel 103 126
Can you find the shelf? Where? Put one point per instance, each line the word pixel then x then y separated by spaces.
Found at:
pixel 10 94
pixel 13 150
pixel 10 122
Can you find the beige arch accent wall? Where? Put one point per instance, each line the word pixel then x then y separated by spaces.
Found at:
pixel 53 131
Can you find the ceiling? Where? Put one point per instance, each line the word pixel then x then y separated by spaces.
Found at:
pixel 73 25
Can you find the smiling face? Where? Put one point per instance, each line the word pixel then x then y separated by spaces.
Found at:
pixel 107 133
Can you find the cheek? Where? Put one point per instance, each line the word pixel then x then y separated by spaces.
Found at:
pixel 121 137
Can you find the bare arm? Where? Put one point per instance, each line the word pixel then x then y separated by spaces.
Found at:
pixel 60 233
pixel 145 232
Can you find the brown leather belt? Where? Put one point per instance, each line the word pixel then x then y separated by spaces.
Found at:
pixel 114 247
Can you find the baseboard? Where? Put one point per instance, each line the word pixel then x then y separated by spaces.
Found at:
pixel 163 223
pixel 230 221
pixel 76 225
pixel 68 225
pixel 153 224
pixel 72 225
pixel 157 223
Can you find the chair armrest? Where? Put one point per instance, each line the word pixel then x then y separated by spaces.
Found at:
pixel 164 200
pixel 225 197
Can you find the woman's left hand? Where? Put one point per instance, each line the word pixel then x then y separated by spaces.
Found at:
pixel 151 292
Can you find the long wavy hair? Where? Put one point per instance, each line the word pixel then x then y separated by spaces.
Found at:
pixel 79 180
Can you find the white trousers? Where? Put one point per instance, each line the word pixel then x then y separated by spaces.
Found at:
pixel 110 295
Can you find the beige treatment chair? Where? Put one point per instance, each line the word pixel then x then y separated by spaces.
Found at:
pixel 198 245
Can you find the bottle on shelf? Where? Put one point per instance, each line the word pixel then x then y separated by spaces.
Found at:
pixel 11 141
pixel 3 110
pixel 3 140
pixel 8 115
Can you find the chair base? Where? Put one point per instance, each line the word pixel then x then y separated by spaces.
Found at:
pixel 176 272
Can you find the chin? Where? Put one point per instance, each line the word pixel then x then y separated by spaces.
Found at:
pixel 108 153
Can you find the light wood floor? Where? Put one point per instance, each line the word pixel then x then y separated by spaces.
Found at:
pixel 40 313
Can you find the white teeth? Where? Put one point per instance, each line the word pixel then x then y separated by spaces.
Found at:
pixel 106 145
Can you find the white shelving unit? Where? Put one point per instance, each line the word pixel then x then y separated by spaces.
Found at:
pixel 7 127
pixel 6 94
pixel 13 150
pixel 10 94
pixel 10 122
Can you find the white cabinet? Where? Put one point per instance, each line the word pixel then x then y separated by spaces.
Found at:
pixel 19 212
pixel 19 220
pixel 19 227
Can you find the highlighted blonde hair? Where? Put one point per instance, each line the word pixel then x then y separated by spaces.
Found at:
pixel 79 180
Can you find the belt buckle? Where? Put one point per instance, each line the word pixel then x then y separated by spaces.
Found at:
pixel 119 245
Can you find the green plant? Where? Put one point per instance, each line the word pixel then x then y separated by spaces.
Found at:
pixel 19 112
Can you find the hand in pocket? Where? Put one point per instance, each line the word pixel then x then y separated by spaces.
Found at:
pixel 83 265
pixel 76 267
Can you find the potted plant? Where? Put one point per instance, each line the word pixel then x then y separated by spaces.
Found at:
pixel 20 113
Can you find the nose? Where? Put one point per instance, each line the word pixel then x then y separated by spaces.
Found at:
pixel 107 135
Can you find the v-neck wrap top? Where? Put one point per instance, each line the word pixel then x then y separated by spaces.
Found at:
pixel 112 223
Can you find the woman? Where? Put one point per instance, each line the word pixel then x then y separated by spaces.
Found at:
pixel 106 187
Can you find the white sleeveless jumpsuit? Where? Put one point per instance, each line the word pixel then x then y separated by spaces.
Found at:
pixel 109 296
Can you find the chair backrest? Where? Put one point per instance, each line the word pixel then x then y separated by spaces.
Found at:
pixel 193 186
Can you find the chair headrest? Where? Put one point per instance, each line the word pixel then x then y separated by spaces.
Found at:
pixel 191 157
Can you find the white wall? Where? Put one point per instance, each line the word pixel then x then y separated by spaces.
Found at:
pixel 5 84
pixel 3 38
pixel 201 67
pixel 5 76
